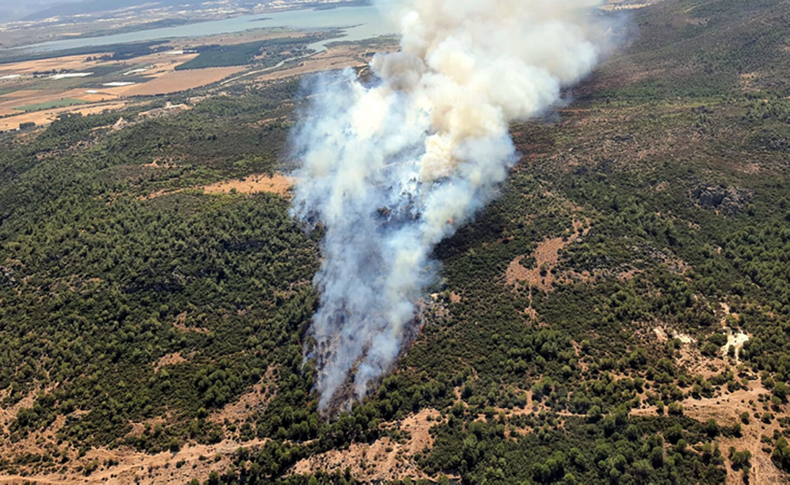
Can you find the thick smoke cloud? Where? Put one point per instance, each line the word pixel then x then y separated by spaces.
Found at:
pixel 392 169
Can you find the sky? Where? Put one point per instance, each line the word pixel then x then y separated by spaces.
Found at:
pixel 14 10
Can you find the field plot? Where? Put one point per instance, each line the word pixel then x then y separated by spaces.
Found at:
pixel 19 94
pixel 47 99
pixel 336 57
pixel 60 103
pixel 46 117
pixel 36 97
pixel 326 61
pixel 48 88
pixel 176 81
pixel 55 64
pixel 10 103
pixel 52 87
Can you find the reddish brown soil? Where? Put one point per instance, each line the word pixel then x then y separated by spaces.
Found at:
pixel 168 360
pixel 382 460
pixel 279 184
pixel 546 255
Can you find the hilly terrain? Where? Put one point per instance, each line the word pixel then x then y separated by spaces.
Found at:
pixel 72 8
pixel 14 11
pixel 621 313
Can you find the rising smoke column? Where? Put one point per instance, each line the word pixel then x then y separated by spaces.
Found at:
pixel 392 169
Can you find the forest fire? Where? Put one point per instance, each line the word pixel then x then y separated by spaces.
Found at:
pixel 395 167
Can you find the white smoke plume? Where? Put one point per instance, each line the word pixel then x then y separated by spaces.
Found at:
pixel 392 169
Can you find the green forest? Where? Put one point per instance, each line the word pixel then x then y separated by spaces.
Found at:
pixel 266 53
pixel 136 309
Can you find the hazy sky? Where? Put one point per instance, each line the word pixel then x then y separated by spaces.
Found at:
pixel 12 10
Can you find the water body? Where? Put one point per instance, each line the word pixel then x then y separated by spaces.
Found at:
pixel 357 23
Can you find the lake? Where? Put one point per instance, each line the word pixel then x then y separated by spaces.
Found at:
pixel 357 23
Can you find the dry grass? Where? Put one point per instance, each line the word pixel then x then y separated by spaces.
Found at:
pixel 135 467
pixel 168 360
pixel 37 442
pixel 176 81
pixel 181 324
pixel 11 101
pixel 17 99
pixel 160 67
pixel 279 184
pixel 20 94
pixel 46 117
pixel 132 467
pixel 254 401
pixel 546 255
pixel 384 459
pixel 83 94
pixel 726 410
pixel 69 63
pixel 25 96
pixel 727 407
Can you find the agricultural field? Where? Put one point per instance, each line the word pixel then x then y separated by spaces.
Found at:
pixel 176 81
pixel 60 103
pixel 620 314
pixel 268 53
pixel 95 82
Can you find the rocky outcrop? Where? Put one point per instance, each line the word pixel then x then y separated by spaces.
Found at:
pixel 720 197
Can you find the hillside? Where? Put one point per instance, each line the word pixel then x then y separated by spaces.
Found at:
pixel 621 313
pixel 94 7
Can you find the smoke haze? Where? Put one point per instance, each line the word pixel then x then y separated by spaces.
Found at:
pixel 392 169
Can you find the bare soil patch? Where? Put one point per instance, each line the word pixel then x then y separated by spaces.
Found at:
pixel 176 81
pixel 68 63
pixel 546 255
pixel 10 103
pixel 46 117
pixel 257 399
pixel 180 324
pixel 22 93
pixel 278 184
pixel 197 461
pixel 168 360
pixel 726 410
pixel 382 460
pixel 691 359
pixel 39 442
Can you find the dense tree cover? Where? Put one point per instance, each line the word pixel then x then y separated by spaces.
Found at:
pixel 611 450
pixel 781 455
pixel 99 281
pixel 71 158
pixel 266 53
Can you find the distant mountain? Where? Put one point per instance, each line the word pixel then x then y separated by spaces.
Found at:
pixel 10 11
pixel 44 9
pixel 94 6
